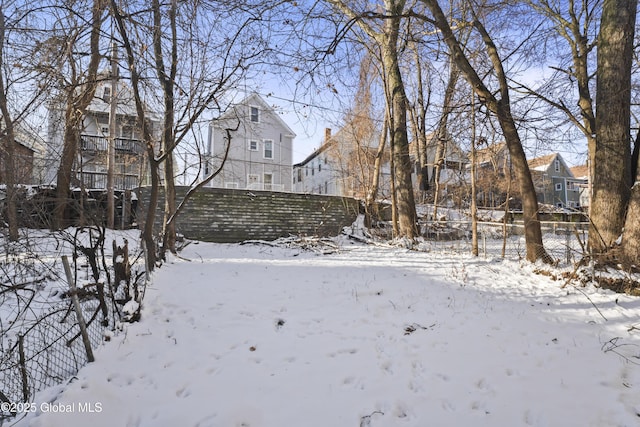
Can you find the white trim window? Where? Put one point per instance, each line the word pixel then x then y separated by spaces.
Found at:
pixel 557 165
pixel 253 145
pixel 268 149
pixel 254 114
pixel 558 186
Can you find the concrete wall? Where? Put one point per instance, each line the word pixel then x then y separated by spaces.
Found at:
pixel 227 215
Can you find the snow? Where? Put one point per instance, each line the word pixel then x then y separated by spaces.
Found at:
pixel 263 336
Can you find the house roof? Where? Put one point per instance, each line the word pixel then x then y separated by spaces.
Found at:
pixel 581 171
pixel 324 147
pixel 124 98
pixel 453 151
pixel 27 138
pixel 252 99
pixel 490 153
pixel 542 163
pixel 342 137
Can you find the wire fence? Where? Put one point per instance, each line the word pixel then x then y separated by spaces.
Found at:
pixel 565 242
pixel 52 318
pixel 49 351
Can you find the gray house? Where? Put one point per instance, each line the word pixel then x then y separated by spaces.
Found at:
pixel 252 145
pixel 555 183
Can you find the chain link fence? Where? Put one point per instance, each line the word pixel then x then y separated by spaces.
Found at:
pixel 565 242
pixel 51 320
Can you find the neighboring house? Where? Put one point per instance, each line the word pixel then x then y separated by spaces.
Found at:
pixel 554 182
pixel 581 174
pixel 91 164
pixel 23 164
pixel 452 164
pixel 260 151
pixel 342 166
pixel 493 165
pixel 27 157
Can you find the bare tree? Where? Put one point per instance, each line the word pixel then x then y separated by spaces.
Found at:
pixel 78 88
pixel 501 107
pixel 387 39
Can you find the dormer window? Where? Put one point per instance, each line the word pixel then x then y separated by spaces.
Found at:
pixel 255 115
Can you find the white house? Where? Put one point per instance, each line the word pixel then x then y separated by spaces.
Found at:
pixel 257 145
pixel 90 166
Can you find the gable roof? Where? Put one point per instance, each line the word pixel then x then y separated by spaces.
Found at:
pixel 542 163
pixel 252 99
pixel 491 153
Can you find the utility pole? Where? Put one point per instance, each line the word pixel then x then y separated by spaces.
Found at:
pixel 111 149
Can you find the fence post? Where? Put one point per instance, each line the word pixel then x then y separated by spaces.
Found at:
pixel 567 245
pixel 23 369
pixel 76 305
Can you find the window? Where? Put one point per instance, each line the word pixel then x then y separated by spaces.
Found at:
pixel 268 181
pixel 326 187
pixel 106 94
pixel 253 181
pixel 319 166
pixel 557 165
pixel 306 171
pixel 559 186
pixel 313 169
pixel 126 132
pixel 268 149
pixel 255 115
pixel 253 145
pixel 104 130
pixel 299 175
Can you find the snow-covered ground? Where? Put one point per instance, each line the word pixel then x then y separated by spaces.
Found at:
pixel 261 336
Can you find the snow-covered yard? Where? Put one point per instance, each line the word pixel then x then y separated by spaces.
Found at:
pixel 261 336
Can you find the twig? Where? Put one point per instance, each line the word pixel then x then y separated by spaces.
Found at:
pixel 591 301
pixel 365 420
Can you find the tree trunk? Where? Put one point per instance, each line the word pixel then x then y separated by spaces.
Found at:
pixel 502 109
pixel 406 208
pixel 419 124
pixel 474 202
pixel 8 145
pixel 370 201
pixel 167 83
pixel 442 134
pixel 79 96
pixel 612 156
pixel 616 204
pixel 147 231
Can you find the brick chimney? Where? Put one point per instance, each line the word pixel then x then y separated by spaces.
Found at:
pixel 327 134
